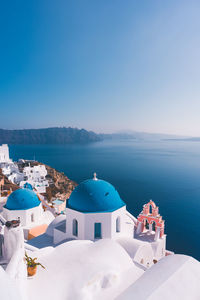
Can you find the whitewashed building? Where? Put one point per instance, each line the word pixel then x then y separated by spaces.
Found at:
pixel 11 171
pixel 36 176
pixel 4 154
pixel 35 173
pixel 93 270
pixel 118 263
pixel 9 168
pixel 95 211
pixel 25 205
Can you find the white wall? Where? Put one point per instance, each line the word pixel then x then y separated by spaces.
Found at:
pixel 104 219
pixel 86 225
pixel 144 255
pixel 70 216
pixel 126 224
pixel 140 252
pixel 24 215
pixel 58 236
pixel 159 247
pixel 13 239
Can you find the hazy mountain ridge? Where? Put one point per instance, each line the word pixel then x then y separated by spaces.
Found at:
pixel 188 139
pixel 69 135
pixel 55 135
pixel 129 134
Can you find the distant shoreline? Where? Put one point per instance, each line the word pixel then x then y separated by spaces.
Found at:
pixel 183 140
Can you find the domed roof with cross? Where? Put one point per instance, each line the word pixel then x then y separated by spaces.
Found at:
pixel 94 195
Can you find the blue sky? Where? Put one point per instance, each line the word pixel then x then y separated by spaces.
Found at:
pixel 101 65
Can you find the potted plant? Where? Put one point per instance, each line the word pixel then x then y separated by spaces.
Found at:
pixel 32 265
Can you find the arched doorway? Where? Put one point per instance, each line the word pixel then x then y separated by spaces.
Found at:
pixel 97 231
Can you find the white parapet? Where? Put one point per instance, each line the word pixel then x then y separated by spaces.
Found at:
pixel 157 235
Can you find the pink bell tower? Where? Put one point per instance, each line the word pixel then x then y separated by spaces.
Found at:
pixel 151 215
pixel 154 233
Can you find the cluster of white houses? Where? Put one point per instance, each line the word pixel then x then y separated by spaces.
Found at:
pixel 34 175
pixel 94 211
pixel 121 257
pixel 26 203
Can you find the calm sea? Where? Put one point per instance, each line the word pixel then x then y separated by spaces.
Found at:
pixel 168 172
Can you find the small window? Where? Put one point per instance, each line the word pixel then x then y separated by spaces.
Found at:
pixel 32 218
pixel 118 224
pixel 97 230
pixel 75 227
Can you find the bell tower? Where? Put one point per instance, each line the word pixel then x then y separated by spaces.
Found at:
pixel 150 228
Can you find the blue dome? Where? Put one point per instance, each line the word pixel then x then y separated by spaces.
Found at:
pixel 28 186
pixel 22 199
pixel 95 196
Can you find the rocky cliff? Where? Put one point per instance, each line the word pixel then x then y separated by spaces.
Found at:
pixel 60 186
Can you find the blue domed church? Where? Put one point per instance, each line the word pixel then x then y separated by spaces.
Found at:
pixel 25 205
pixel 95 211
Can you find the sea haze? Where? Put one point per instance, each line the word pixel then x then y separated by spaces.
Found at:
pixel 167 172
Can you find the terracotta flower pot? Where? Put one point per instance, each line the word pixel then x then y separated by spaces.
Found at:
pixel 31 271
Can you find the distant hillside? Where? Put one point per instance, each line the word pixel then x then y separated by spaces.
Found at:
pixel 63 135
pixel 140 136
pixel 192 139
pixel 55 135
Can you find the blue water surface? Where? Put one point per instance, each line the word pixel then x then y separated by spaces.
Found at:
pixel 168 172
